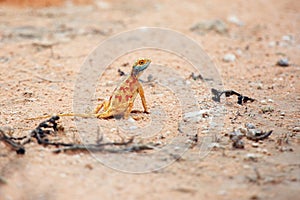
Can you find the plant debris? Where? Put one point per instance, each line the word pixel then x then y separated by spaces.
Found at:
pixel 250 132
pixel 50 126
pixel 11 143
pixel 241 99
pixel 196 77
pixel 256 134
pixel 121 73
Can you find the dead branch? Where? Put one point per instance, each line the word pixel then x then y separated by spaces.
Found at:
pixel 241 99
pixel 12 144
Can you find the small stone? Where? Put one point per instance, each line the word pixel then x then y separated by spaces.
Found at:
pixel 132 127
pixel 287 38
pixel 296 129
pixel 30 99
pixel 196 115
pixel 229 57
pixel 243 130
pixel 267 109
pixel 239 144
pixel 214 145
pixel 282 114
pixel 130 119
pixel 272 44
pixel 270 100
pixel 113 129
pixel 235 20
pixel 28 94
pixel 252 157
pixel 76 156
pixel 249 126
pixel 211 25
pixel 263 102
pixel 239 52
pixel 265 151
pixel 255 144
pixel 286 149
pixel 222 192
pixel 254 197
pixel 283 62
pixel 259 86
pixel 103 5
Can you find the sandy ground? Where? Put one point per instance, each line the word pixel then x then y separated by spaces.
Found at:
pixel 43 50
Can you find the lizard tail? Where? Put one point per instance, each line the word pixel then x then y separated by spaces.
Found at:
pixel 83 115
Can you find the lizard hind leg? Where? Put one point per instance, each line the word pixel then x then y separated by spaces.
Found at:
pixel 104 115
pixel 104 105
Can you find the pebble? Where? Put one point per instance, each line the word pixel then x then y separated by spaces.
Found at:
pixel 229 57
pixel 214 145
pixel 239 52
pixel 250 126
pixel 216 25
pixel 132 127
pixel 222 192
pixel 270 100
pixel 267 109
pixel 282 114
pixel 286 149
pixel 296 129
pixel 63 175
pixel 283 62
pixel 77 156
pixel 130 119
pixel 264 102
pixel 255 144
pixel 103 5
pixel 252 156
pixel 239 144
pixel 113 130
pixel 243 130
pixel 3 59
pixel 235 20
pixel 287 38
pixel 259 86
pixel 196 115
pixel 272 44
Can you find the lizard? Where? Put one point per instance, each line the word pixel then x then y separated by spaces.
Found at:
pixel 121 101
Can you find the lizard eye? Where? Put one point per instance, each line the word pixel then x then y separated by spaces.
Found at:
pixel 141 62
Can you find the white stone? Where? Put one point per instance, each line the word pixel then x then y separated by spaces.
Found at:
pixel 132 127
pixel 229 57
pixel 264 102
pixel 195 114
pixel 235 20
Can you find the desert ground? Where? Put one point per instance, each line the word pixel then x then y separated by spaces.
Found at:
pixel 188 146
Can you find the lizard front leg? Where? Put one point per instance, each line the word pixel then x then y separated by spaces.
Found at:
pixel 129 109
pixel 142 95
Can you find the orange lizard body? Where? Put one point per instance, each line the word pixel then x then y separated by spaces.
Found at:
pixel 121 101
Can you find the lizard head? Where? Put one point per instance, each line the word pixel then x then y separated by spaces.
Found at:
pixel 139 66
